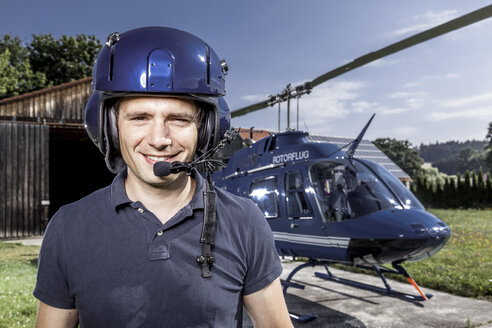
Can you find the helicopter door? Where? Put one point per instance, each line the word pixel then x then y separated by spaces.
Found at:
pixel 297 206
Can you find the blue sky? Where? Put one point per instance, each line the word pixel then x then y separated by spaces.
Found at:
pixel 437 91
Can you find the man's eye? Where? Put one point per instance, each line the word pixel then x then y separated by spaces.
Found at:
pixel 138 118
pixel 180 121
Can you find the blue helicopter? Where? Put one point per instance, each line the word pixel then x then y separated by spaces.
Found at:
pixel 329 206
pixel 324 204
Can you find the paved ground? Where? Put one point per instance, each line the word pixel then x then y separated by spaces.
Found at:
pixel 337 305
pixel 35 241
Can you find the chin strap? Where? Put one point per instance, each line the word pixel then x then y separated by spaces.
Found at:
pixel 206 260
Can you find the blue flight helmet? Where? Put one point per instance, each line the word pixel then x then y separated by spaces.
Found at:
pixel 158 61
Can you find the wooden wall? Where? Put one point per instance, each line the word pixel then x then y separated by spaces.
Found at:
pixel 24 180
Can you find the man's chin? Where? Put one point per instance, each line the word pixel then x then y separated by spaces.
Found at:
pixel 166 180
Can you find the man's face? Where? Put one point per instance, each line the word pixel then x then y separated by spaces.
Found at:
pixel 153 129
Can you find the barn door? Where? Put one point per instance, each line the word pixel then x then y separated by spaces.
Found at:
pixel 24 179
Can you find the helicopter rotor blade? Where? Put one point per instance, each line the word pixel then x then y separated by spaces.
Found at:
pixel 454 24
pixel 250 108
pixel 439 30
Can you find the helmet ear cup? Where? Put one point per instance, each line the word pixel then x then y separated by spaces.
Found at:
pixel 206 131
pixel 113 158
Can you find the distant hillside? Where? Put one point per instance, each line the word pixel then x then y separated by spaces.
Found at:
pixel 444 156
pixel 434 152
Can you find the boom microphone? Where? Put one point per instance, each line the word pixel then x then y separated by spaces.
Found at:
pixel 163 168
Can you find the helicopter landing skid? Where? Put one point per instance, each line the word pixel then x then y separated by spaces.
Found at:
pixel 380 270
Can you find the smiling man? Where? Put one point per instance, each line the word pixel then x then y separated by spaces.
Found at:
pixel 158 250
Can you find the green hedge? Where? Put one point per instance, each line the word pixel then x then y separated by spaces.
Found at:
pixel 469 191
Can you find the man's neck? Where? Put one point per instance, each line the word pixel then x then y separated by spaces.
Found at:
pixel 163 200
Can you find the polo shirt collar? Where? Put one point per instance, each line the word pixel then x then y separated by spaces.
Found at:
pixel 119 196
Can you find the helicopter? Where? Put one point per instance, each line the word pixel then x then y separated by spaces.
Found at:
pixel 328 205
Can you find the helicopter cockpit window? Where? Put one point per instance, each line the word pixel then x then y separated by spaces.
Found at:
pixel 405 195
pixel 343 193
pixel 264 194
pixel 297 206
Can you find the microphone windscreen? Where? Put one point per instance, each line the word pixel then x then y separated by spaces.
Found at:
pixel 162 169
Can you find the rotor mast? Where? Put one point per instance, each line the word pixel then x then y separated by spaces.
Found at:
pixel 286 95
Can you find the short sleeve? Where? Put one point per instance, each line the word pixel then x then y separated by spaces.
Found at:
pixel 52 283
pixel 262 259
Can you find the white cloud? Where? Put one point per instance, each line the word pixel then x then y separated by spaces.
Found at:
pixel 330 100
pixel 447 76
pixel 451 76
pixel 413 100
pixel 426 21
pixel 479 113
pixel 254 98
pixel 392 111
pixel 405 131
pixel 383 62
pixel 406 94
pixel 363 106
pixel 466 101
pixel 412 84
pixel 334 100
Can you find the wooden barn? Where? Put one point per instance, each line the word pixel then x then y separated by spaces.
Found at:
pixel 46 158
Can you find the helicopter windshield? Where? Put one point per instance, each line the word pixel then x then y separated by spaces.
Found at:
pixel 408 199
pixel 343 193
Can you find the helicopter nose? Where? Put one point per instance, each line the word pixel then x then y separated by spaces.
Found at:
pixel 437 230
pixel 437 236
pixel 440 231
pixel 422 237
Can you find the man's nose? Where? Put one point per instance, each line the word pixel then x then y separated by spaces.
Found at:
pixel 159 135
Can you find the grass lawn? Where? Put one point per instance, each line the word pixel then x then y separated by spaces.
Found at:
pixel 462 267
pixel 18 266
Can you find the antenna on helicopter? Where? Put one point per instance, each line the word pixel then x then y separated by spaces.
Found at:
pixel 354 143
pixel 350 153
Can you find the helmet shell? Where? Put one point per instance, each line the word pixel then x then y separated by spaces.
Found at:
pixel 158 59
pixel 155 61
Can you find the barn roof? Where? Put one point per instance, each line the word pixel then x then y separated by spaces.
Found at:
pixel 63 104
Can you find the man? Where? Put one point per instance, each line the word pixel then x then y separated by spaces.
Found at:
pixel 158 249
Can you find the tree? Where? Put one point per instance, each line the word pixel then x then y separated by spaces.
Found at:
pixel 447 165
pixel 469 159
pixel 488 148
pixel 44 62
pixel 64 60
pixel 402 153
pixel 434 176
pixel 16 74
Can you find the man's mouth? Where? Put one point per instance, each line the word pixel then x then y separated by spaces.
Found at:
pixel 158 158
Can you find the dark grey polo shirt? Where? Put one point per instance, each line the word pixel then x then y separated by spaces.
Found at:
pixel 120 266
